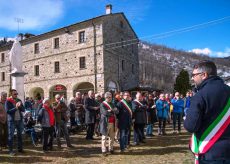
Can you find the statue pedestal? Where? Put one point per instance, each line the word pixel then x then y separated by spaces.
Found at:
pixel 18 84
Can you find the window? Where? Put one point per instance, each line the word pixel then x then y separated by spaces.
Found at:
pixel 36 48
pixel 122 65
pixel 3 76
pixel 56 42
pixel 82 63
pixel 132 68
pixel 56 67
pixel 2 58
pixel 82 37
pixel 36 70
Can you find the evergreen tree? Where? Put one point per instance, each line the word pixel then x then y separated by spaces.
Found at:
pixel 182 84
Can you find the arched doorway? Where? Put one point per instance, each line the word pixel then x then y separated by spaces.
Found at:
pixel 112 86
pixel 58 89
pixel 83 87
pixel 36 93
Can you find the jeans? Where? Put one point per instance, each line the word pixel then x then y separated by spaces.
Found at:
pixel 32 134
pixel 47 135
pixel 177 117
pixel 12 125
pixel 62 127
pixel 124 133
pixel 149 129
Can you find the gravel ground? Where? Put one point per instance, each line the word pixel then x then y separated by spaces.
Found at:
pixel 172 148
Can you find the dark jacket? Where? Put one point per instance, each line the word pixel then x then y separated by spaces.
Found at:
pixel 28 105
pixel 29 123
pixel 11 109
pixel 60 111
pixel 105 114
pixel 151 112
pixel 90 113
pixel 124 117
pixel 139 112
pixel 72 109
pixel 205 107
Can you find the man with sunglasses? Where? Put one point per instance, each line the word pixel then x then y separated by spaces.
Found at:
pixel 14 109
pixel 208 117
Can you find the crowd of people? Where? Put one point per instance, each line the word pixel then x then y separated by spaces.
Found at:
pixel 111 116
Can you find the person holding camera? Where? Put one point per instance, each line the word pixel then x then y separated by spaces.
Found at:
pixel 60 111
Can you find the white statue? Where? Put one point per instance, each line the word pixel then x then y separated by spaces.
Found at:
pixel 15 56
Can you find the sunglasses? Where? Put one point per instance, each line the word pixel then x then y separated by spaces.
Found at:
pixel 15 94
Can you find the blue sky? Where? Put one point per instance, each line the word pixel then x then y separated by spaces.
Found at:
pixel 151 20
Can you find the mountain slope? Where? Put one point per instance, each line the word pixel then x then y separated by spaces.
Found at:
pixel 159 65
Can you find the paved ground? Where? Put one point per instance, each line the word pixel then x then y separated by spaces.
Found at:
pixel 172 148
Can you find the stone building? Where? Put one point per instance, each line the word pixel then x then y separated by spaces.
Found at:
pixel 99 54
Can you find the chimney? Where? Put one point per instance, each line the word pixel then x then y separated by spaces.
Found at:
pixel 108 9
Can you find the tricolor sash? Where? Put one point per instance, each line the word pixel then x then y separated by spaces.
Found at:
pixel 13 101
pixel 138 102
pixel 211 134
pixel 126 105
pixel 108 106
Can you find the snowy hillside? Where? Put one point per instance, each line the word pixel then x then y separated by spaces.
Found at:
pixel 159 65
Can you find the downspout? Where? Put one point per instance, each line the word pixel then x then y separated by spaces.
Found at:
pixel 95 56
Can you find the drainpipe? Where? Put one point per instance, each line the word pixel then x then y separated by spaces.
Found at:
pixel 95 56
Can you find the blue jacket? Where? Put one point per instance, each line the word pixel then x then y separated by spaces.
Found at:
pixel 162 112
pixel 178 105
pixel 205 107
pixel 11 109
pixel 187 101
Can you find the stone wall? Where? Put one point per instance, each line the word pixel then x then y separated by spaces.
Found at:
pixel 119 46
pixel 102 65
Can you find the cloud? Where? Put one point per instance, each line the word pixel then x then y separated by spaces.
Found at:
pixel 36 14
pixel 209 52
pixel 226 53
pixel 205 51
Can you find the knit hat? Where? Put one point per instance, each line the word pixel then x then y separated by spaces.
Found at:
pixel 45 99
